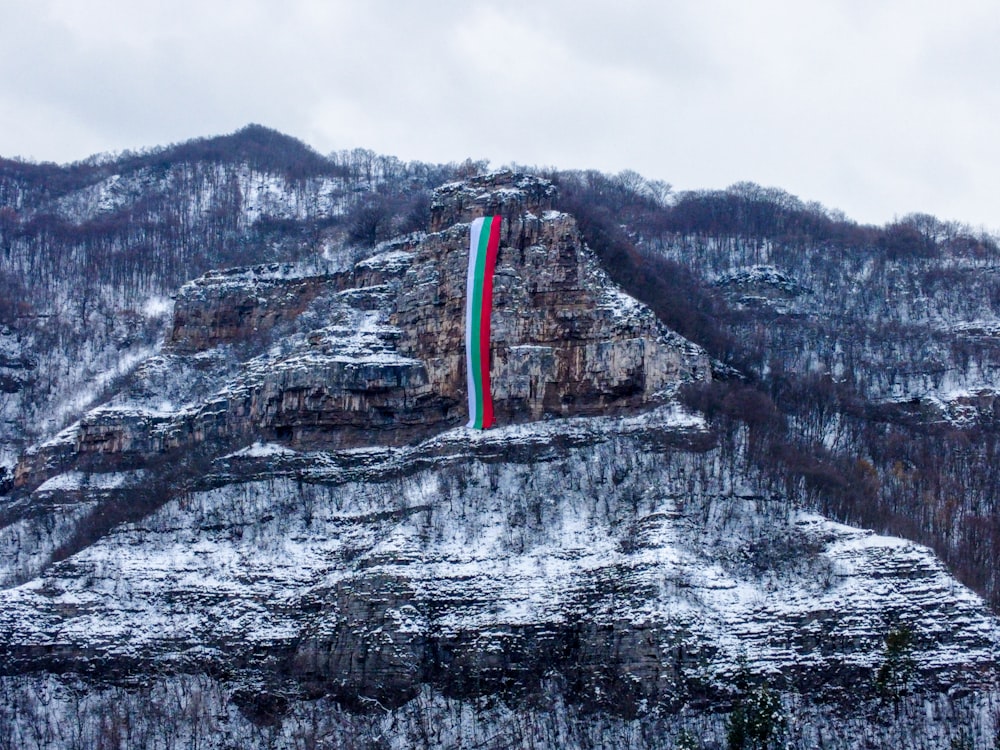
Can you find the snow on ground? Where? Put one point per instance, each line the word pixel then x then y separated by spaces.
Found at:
pixel 78 480
pixel 609 531
pixel 76 402
pixel 158 306
pixel 262 450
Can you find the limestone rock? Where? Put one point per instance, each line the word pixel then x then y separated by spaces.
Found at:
pixel 376 353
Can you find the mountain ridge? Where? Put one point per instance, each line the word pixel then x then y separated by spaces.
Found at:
pixel 644 556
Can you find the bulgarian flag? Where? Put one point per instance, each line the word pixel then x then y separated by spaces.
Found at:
pixel 484 242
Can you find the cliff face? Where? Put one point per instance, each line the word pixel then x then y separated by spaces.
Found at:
pixel 376 353
pixel 281 517
pixel 603 567
pixel 238 304
pixel 91 255
pixel 565 341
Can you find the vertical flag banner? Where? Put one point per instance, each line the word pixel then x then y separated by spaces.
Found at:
pixel 484 242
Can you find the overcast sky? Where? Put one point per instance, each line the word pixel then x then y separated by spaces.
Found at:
pixel 876 107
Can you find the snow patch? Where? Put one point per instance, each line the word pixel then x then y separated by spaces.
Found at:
pixel 78 480
pixel 263 450
pixel 157 306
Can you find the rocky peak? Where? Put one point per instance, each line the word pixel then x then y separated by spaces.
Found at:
pixel 565 340
pixel 503 192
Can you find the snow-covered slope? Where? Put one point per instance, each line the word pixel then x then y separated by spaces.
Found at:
pixel 617 557
pixel 276 533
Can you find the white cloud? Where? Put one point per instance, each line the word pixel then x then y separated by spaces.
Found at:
pixel 878 108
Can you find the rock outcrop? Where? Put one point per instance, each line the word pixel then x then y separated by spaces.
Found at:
pixel 238 304
pixel 566 341
pixel 375 354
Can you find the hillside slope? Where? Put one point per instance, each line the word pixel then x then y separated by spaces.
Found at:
pixel 275 531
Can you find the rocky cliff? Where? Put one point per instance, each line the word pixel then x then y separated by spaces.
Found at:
pixel 277 533
pixel 375 354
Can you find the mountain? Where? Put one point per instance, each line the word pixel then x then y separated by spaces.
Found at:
pixel 93 252
pixel 255 518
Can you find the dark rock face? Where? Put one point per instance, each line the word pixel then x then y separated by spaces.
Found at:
pixel 503 192
pixel 232 306
pixel 565 341
pixel 15 371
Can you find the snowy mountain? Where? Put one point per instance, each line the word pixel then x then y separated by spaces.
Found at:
pixel 270 528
